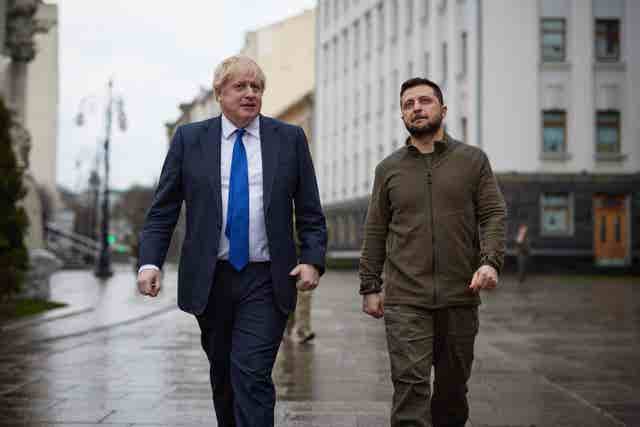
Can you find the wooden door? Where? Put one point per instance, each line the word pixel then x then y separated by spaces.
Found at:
pixel 611 230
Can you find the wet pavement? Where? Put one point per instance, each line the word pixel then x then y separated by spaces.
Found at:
pixel 556 351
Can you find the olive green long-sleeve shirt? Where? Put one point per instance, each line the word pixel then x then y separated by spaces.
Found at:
pixel 433 219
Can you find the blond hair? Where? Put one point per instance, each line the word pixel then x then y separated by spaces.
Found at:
pixel 233 65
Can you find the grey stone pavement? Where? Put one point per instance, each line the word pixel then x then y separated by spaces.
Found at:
pixel 555 351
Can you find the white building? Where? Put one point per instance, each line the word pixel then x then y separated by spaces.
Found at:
pixel 548 88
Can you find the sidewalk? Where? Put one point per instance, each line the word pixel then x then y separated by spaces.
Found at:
pixel 92 305
pixel 556 351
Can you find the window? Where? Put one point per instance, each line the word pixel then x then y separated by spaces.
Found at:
pixel 395 83
pixel 327 7
pixel 345 183
pixel 607 40
pixel 368 40
pixel 394 20
pixel 463 125
pixel 367 168
pixel 608 132
pixel 356 108
pixel 345 50
pixel 335 59
pixel 381 31
pixel 463 52
pixel 325 53
pixel 425 10
pixel 345 114
pixel 356 173
pixel 356 43
pixel 554 131
pixel 554 39
pixel 409 15
pixel 556 214
pixel 381 90
pixel 368 107
pixel 427 65
pixel 445 63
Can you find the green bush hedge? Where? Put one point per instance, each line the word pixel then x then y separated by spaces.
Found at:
pixel 14 258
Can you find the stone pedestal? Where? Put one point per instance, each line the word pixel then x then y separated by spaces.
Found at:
pixel 42 264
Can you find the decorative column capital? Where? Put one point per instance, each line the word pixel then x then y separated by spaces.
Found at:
pixel 21 27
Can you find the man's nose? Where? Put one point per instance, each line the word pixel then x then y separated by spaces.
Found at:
pixel 251 93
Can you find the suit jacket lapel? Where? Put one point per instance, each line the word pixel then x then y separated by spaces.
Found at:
pixel 210 143
pixel 269 146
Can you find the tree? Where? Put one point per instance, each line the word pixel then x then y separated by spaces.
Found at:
pixel 14 258
pixel 133 206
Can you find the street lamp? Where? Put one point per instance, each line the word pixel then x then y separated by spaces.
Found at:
pixel 94 187
pixel 103 264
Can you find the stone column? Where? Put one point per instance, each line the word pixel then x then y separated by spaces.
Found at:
pixel 20 46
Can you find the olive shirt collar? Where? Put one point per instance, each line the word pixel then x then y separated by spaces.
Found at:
pixel 440 146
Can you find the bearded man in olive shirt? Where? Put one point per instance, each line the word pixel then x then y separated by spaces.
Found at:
pixel 435 226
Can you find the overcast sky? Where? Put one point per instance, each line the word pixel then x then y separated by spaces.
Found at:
pixel 159 53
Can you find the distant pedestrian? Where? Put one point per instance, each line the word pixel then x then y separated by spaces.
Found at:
pixel 522 251
pixel 435 225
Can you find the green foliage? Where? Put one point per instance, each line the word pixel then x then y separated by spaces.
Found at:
pixel 14 258
pixel 26 307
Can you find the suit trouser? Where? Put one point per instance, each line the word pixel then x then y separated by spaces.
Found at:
pixel 241 330
pixel 418 339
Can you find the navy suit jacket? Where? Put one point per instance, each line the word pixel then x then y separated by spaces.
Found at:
pixel 191 173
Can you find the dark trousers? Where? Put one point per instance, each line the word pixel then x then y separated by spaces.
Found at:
pixel 418 339
pixel 522 266
pixel 241 332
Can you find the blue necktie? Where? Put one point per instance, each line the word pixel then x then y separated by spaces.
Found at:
pixel 237 229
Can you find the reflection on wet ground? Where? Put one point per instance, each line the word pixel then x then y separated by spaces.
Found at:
pixel 556 351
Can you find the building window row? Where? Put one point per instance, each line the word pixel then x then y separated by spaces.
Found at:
pixel 554 40
pixel 554 132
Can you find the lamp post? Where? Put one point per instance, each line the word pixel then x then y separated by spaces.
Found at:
pixel 103 264
pixel 94 186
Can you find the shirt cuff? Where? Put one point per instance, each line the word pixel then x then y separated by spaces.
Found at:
pixel 370 287
pixel 148 267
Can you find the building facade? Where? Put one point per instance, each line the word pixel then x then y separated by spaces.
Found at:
pixel 29 57
pixel 547 88
pixel 285 52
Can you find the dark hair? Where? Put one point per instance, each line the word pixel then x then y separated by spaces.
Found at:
pixel 420 81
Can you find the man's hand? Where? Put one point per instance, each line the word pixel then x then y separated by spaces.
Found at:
pixel 373 304
pixel 486 277
pixel 308 277
pixel 149 282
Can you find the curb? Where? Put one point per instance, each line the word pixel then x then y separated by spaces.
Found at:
pixel 42 318
pixel 101 328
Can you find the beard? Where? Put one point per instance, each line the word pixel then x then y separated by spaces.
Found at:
pixel 426 130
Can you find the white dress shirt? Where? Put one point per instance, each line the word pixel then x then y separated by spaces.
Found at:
pixel 258 244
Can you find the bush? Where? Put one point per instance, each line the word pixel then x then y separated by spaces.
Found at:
pixel 14 258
